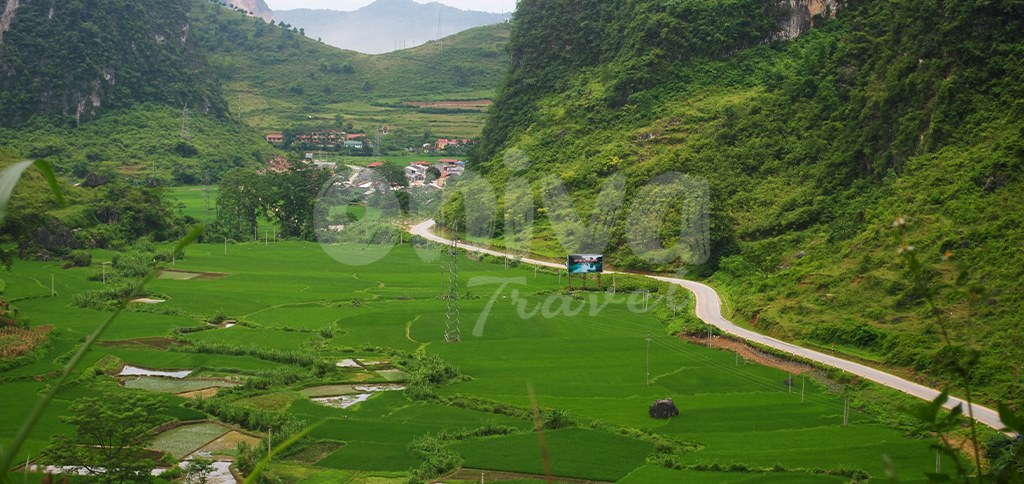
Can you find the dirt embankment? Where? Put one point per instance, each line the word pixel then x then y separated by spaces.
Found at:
pixel 750 353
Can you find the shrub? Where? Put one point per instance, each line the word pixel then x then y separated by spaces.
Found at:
pixel 79 258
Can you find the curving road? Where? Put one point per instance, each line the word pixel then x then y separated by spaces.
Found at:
pixel 709 310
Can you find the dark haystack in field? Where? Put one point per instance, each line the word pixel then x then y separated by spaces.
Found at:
pixel 664 409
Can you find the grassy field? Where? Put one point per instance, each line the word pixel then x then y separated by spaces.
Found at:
pixel 590 365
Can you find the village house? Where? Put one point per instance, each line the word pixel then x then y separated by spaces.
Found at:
pixel 278 164
pixel 324 138
pixel 275 138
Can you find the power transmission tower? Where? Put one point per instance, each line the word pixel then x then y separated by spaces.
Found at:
pixel 453 324
pixel 186 134
pixel 440 43
pixel 376 142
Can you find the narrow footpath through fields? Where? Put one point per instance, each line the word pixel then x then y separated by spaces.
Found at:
pixel 709 309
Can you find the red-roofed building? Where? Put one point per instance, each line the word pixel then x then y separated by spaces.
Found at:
pixel 275 138
pixel 376 164
pixel 355 136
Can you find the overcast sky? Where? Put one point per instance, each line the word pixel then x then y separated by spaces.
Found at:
pixel 481 5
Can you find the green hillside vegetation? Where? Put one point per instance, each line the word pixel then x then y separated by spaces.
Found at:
pixel 276 78
pixel 143 144
pixel 71 61
pixel 812 148
pixel 116 215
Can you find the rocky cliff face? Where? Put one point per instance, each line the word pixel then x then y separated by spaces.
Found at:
pixel 5 19
pixel 73 60
pixel 803 14
pixel 258 8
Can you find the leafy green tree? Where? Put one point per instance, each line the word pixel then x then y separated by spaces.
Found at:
pixel 293 198
pixel 393 174
pixel 198 470
pixel 240 202
pixel 109 438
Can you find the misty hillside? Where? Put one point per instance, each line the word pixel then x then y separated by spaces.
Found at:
pixel 385 25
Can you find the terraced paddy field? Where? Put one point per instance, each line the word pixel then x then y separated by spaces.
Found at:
pixel 300 312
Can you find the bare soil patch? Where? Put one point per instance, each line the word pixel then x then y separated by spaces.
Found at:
pixel 15 342
pixel 751 354
pixel 229 442
pixel 204 393
pixel 477 104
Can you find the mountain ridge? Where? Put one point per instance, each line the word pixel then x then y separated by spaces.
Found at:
pixel 386 25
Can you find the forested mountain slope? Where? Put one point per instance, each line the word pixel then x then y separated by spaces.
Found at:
pixel 812 148
pixel 73 60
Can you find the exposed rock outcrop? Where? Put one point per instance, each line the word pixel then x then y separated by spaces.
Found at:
pixel 803 14
pixel 258 8
pixel 5 20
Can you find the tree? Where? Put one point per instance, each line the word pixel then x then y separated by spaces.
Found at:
pixel 240 202
pixel 393 174
pixel 198 470
pixel 293 198
pixel 109 438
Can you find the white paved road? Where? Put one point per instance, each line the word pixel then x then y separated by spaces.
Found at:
pixel 709 309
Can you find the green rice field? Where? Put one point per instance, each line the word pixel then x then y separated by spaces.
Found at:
pixel 738 422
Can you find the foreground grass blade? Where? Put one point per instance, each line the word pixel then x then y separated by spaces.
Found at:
pixel 7 459
pixel 258 470
pixel 51 179
pixel 10 176
pixel 538 428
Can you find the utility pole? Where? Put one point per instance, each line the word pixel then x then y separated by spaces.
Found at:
pixel 646 294
pixel 789 382
pixel 803 386
pixel 225 245
pixel 648 340
pixel 186 134
pixel 709 336
pixel 53 287
pixel 846 412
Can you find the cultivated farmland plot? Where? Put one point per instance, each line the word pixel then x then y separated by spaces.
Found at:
pixel 591 366
pixel 182 441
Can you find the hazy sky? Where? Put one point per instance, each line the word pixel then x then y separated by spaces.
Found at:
pixel 481 5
